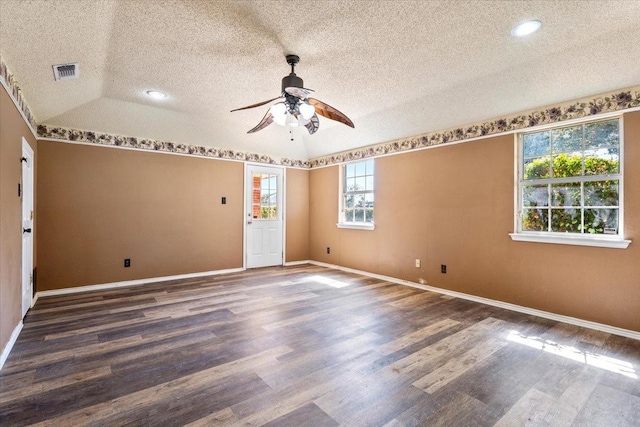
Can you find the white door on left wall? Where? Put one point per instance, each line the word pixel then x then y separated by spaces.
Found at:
pixel 26 192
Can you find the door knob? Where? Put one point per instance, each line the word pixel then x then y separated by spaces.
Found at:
pixel 26 230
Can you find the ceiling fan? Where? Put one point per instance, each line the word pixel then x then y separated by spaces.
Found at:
pixel 296 108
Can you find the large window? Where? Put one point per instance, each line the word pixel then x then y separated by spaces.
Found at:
pixel 357 196
pixel 570 181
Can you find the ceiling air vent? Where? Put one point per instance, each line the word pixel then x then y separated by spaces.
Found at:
pixel 66 71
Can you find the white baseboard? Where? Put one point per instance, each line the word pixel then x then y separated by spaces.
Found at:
pixel 508 306
pixel 136 282
pixel 9 346
pixel 292 263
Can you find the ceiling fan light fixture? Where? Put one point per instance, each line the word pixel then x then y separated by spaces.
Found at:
pixel 296 108
pixel 306 110
pixel 526 28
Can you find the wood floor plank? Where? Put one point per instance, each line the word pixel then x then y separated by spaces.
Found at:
pixel 454 368
pixel 221 418
pixel 417 336
pixel 307 345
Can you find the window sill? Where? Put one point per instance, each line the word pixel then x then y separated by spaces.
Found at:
pixel 356 226
pixel 601 242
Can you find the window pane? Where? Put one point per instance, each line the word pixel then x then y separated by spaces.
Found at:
pixel 535 219
pixel 567 165
pixel 535 195
pixel 536 168
pixel 369 183
pixel 601 221
pixel 566 220
pixel 369 167
pixel 602 134
pixel 351 184
pixel 360 168
pixel 349 201
pixel 360 183
pixel 358 215
pixel 601 193
pixel 368 200
pixel 348 215
pixel 565 194
pixel 359 200
pixel 536 144
pixel 351 170
pixel 566 140
pixel 601 162
pixel 369 214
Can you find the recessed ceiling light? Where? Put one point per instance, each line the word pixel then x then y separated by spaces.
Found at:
pixel 156 94
pixel 526 28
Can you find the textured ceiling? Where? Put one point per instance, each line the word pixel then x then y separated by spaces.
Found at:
pixel 396 68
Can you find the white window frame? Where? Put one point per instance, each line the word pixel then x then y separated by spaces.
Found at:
pixel 597 240
pixel 341 220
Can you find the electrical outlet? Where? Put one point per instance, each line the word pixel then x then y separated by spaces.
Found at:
pixel 443 269
pixel 328 250
pixel 127 262
pixel 417 263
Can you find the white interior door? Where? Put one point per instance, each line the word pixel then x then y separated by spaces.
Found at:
pixel 27 226
pixel 264 216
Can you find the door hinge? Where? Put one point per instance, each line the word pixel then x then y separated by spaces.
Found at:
pixel 19 190
pixel 31 279
pixel 23 159
pixel 31 218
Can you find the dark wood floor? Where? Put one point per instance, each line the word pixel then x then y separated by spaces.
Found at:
pixel 308 346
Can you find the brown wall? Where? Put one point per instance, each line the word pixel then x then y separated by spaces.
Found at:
pixel 297 215
pixel 98 206
pixel 454 205
pixel 12 129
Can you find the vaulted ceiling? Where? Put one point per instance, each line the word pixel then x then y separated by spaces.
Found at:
pixel 396 68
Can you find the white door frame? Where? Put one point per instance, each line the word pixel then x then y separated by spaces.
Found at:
pixel 26 223
pixel 245 211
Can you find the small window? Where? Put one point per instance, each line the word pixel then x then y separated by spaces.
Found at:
pixel 357 195
pixel 570 181
pixel 265 196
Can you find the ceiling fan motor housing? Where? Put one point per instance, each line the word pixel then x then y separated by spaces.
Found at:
pixel 291 81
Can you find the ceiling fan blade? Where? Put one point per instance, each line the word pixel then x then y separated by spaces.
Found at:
pixel 266 121
pixel 329 112
pixel 313 124
pixel 256 105
pixel 300 92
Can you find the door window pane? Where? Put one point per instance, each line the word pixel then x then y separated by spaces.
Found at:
pixel 265 197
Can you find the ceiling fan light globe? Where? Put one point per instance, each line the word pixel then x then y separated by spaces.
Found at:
pixel 302 121
pixel 307 111
pixel 279 113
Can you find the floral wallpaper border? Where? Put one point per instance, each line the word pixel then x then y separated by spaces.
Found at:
pixel 616 101
pixel 75 135
pixel 15 91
